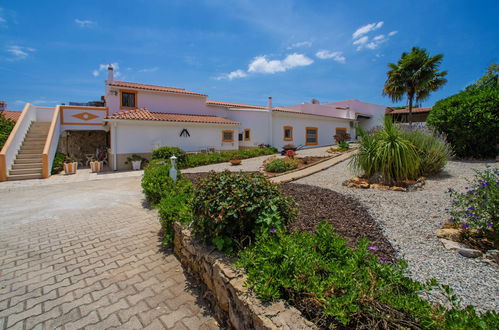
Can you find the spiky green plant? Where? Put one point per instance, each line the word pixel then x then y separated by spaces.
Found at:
pixel 386 153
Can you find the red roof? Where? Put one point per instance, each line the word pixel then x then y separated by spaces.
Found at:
pixel 245 106
pixel 414 110
pixel 144 114
pixel 165 89
pixel 14 115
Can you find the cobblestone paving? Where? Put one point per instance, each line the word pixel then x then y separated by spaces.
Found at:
pixel 92 264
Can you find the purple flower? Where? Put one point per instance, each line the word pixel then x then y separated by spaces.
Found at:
pixel 383 261
pixel 373 248
pixel 273 230
pixel 489 225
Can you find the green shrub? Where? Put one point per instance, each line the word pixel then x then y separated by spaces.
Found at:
pixel 280 165
pixel 386 153
pixel 200 159
pixel 343 145
pixel 166 152
pixel 336 286
pixel 433 152
pixel 156 181
pixel 478 207
pixel 470 121
pixel 175 205
pixel 230 209
pixel 6 126
pixel 57 164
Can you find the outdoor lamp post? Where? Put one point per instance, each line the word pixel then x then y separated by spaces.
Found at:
pixel 173 170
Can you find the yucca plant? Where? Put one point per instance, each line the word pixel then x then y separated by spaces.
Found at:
pixel 387 154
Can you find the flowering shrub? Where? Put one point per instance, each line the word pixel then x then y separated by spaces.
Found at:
pixel 290 153
pixel 478 207
pixel 230 209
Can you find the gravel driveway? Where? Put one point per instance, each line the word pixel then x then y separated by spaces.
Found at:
pixel 410 220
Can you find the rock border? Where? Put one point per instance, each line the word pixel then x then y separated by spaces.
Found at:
pixel 233 302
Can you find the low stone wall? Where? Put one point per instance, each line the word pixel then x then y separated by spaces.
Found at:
pixel 233 302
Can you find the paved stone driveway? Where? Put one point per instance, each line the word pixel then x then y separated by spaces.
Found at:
pixel 87 255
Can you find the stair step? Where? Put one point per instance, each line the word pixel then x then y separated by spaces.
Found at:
pixel 33 143
pixel 27 161
pixel 26 171
pixel 33 146
pixel 22 166
pixel 36 136
pixel 29 156
pixel 24 177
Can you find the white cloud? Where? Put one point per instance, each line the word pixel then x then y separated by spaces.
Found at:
pixel 84 22
pixel 379 37
pixel 326 54
pixel 3 21
pixel 377 40
pixel 300 44
pixel 391 34
pixel 19 52
pixel 366 29
pixel 103 68
pixel 261 64
pixel 233 75
pixel 154 69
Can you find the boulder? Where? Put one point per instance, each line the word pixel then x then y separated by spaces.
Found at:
pixel 450 234
pixel 469 253
pixel 492 255
pixel 451 245
pixel 396 188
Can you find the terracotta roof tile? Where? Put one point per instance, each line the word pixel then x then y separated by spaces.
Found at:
pixel 14 115
pixel 144 114
pixel 173 90
pixel 246 106
pixel 414 110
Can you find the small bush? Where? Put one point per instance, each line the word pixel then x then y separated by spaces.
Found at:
pixel 175 205
pixel 344 145
pixel 230 209
pixel 478 207
pixel 335 286
pixel 280 165
pixel 341 137
pixel 166 152
pixel 200 159
pixel 57 164
pixel 6 126
pixel 433 152
pixel 156 181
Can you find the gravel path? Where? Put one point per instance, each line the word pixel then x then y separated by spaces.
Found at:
pixel 410 220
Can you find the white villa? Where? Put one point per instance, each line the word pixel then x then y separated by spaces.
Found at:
pixel 137 118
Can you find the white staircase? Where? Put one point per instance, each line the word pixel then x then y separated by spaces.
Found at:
pixel 28 162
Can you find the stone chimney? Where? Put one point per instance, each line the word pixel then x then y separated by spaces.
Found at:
pixel 110 74
pixel 315 101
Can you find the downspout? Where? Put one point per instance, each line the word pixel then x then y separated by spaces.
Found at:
pixel 115 146
pixel 271 131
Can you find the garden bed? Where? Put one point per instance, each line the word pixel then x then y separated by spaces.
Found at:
pixel 302 162
pixel 346 214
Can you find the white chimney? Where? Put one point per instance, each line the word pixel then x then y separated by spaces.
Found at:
pixel 110 74
pixel 271 131
pixel 315 101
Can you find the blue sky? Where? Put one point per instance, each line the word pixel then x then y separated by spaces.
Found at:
pixel 241 51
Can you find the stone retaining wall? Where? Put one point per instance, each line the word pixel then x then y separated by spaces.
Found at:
pixel 233 302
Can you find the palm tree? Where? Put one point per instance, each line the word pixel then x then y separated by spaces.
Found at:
pixel 415 75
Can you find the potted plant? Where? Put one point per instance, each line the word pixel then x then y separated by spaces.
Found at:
pixel 136 161
pixel 236 159
pixel 96 165
pixel 287 147
pixel 70 165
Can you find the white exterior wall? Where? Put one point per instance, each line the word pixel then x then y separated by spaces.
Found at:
pixel 376 112
pixel 163 102
pixel 326 125
pixel 258 123
pixel 143 137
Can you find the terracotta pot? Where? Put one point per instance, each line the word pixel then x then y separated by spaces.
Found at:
pixel 136 165
pixel 96 166
pixel 70 168
pixel 235 161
